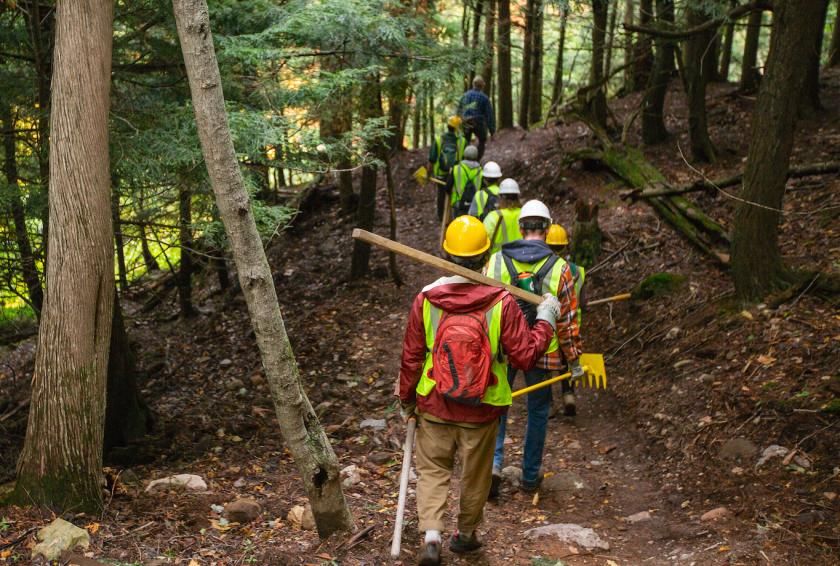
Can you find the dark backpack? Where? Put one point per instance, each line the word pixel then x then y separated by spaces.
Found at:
pixel 447 153
pixel 470 190
pixel 491 204
pixel 462 357
pixel 531 282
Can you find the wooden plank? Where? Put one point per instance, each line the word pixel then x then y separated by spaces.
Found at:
pixel 443 265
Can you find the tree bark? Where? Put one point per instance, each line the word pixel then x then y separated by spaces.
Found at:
pixel 557 85
pixel 629 14
pixel 695 83
pixel 598 103
pixel 119 243
pixel 61 461
pixel 336 119
pixel 489 45
pixel 299 425
pixel 29 270
pixel 535 102
pixel 527 52
pixel 185 239
pixel 610 41
pixel 653 104
pixel 726 48
pixel 810 103
pixel 415 121
pixel 834 47
pixel 749 72
pixel 504 86
pixel 756 259
pixel 643 48
pixel 478 12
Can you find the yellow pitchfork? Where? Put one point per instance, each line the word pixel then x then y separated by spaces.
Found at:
pixel 595 376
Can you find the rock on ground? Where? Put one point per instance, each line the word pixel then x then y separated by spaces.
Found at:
pixel 571 534
pixel 242 511
pixel 772 451
pixel 638 517
pixel 59 536
pixel 564 481
pixel 738 450
pixel 302 516
pixel 715 514
pixel 350 476
pixel 375 424
pixel 187 481
pixel 512 475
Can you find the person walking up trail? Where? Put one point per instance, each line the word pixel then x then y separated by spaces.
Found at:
pixel 487 199
pixel 530 264
pixel 458 343
pixel 477 111
pixel 558 240
pixel 446 151
pixel 464 182
pixel 502 224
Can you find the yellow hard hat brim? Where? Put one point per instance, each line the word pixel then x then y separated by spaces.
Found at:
pixel 450 251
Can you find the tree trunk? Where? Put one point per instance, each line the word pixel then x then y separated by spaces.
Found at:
pixel 61 461
pixel 749 72
pixel 756 258
pixel 726 48
pixel 629 8
pixel 29 270
pixel 185 269
pixel 586 246
pixel 366 211
pixel 119 243
pixel 416 117
pixel 698 130
pixel 336 119
pixel 608 56
pixel 598 103
pixel 834 47
pixel 398 87
pixel 504 83
pixel 643 49
pixel 653 103
pixel 299 425
pixel 557 85
pixel 711 55
pixel 527 51
pixel 431 116
pixel 489 44
pixel 535 102
pixel 809 103
pixel 127 417
pixel 478 11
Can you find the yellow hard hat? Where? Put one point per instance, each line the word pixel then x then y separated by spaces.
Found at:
pixel 454 122
pixel 557 236
pixel 466 237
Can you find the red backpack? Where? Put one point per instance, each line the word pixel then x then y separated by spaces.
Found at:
pixel 462 357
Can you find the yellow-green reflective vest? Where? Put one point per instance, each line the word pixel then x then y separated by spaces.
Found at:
pixel 497 394
pixel 507 232
pixel 482 197
pixel 497 270
pixel 462 175
pixel 578 275
pixel 460 145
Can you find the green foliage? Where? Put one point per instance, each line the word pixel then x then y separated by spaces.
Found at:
pixel 658 285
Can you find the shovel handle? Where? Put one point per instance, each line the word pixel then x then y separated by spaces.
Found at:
pixel 406 470
pixel 545 383
pixel 621 297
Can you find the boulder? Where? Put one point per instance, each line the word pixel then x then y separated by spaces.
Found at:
pixel 185 481
pixel 570 534
pixel 59 536
pixel 242 511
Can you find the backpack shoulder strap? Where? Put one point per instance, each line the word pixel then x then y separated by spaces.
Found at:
pixel 544 270
pixel 498 225
pixel 514 273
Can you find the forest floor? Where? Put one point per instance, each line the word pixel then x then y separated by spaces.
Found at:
pixel 699 388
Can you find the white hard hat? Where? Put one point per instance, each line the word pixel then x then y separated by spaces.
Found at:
pixel 508 187
pixel 492 170
pixel 534 209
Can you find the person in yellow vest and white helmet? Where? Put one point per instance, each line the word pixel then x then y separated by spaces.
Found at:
pixel 502 224
pixel 458 343
pixel 531 265
pixel 487 199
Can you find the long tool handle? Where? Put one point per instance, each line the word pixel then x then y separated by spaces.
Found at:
pixel 443 265
pixel 444 223
pixel 621 297
pixel 406 470
pixel 545 383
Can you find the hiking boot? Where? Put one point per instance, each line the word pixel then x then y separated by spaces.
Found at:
pixel 430 555
pixel 569 407
pixel 495 486
pixel 460 544
pixel 531 487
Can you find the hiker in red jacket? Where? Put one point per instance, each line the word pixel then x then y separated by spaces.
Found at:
pixel 453 379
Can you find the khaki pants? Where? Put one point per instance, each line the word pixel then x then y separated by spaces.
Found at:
pixel 437 445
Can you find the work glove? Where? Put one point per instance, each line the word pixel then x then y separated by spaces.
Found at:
pixel 549 310
pixel 408 411
pixel 577 371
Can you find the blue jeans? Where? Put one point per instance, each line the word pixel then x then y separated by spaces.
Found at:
pixel 539 404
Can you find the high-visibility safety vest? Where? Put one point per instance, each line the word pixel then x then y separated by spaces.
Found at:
pixel 497 270
pixel 578 275
pixel 483 197
pixel 463 175
pixel 497 394
pixel 460 145
pixel 508 231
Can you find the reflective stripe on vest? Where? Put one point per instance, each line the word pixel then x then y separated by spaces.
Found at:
pixel 498 394
pixel 509 230
pixel 462 175
pixel 496 269
pixel 482 197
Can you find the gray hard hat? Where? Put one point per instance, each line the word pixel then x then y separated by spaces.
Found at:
pixel 471 153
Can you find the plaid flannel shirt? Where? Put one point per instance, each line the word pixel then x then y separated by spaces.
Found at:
pixel 568 332
pixel 475 103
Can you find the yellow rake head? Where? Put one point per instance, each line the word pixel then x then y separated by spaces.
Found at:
pixel 596 374
pixel 421 175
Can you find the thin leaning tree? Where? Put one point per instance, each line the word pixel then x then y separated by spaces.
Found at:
pixel 302 432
